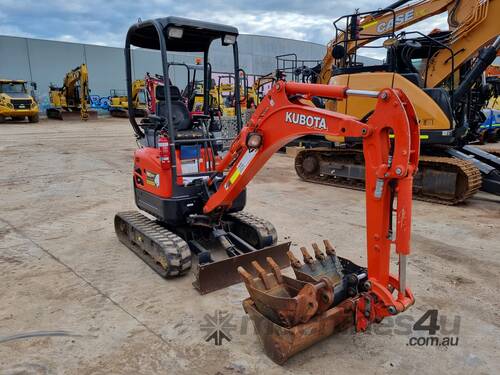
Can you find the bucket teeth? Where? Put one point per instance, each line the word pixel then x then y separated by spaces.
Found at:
pixel 276 269
pixel 263 275
pixel 293 260
pixel 329 249
pixel 246 276
pixel 317 252
pixel 289 301
pixel 326 264
pixel 308 259
pixel 282 299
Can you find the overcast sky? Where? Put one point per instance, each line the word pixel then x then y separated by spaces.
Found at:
pixel 105 22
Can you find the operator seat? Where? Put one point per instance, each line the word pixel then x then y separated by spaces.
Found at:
pixel 180 114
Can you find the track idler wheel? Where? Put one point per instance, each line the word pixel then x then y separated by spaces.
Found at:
pixel 310 164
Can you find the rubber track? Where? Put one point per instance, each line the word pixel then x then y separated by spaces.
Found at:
pixel 469 173
pixel 262 226
pixel 167 253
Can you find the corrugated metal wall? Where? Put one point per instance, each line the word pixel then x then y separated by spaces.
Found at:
pixel 46 62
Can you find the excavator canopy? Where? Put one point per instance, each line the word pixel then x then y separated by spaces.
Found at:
pixel 182 34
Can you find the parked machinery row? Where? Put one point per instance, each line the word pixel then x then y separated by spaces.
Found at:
pixel 441 72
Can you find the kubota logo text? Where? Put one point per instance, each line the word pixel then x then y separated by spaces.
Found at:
pixel 309 121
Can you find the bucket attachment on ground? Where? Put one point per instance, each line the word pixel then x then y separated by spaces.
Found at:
pixel 281 343
pixel 284 300
pixel 292 314
pixel 223 273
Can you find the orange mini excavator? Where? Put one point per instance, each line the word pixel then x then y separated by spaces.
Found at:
pixel 196 193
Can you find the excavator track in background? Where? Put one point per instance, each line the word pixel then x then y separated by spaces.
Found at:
pixel 164 251
pixel 256 231
pixel 345 168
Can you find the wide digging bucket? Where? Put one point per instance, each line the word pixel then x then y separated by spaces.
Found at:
pixel 281 343
pixel 223 273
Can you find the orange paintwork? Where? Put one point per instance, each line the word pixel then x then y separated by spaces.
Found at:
pixel 283 116
pixel 147 159
pixel 279 120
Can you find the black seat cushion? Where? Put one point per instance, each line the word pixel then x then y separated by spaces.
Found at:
pixel 175 93
pixel 180 114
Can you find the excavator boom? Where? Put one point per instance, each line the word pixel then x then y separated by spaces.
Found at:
pixel 282 117
pixel 440 73
pixel 72 97
pixel 381 23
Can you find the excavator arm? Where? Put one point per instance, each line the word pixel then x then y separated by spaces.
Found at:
pixel 390 166
pixel 380 23
pixel 473 24
pixel 84 92
pixel 80 76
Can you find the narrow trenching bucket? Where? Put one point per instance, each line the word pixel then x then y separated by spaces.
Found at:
pixel 223 273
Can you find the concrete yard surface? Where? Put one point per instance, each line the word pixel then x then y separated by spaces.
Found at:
pixel 74 300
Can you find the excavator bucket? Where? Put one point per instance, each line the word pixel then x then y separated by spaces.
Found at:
pixel 289 314
pixel 223 273
pixel 322 265
pixel 280 343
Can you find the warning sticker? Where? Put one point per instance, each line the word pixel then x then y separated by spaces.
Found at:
pixel 152 179
pixel 242 165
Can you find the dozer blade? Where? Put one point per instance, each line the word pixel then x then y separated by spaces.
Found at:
pixel 223 273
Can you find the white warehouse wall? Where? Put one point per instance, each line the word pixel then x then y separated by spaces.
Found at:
pixel 46 62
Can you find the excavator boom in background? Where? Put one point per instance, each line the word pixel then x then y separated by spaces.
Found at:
pixel 447 93
pixel 72 98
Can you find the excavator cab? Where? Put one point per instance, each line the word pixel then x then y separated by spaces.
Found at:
pixel 178 153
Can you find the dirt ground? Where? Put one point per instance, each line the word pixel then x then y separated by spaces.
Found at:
pixel 73 300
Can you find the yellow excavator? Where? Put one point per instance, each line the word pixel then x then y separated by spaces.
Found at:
pixel 255 92
pixel 72 98
pixel 442 75
pixel 118 102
